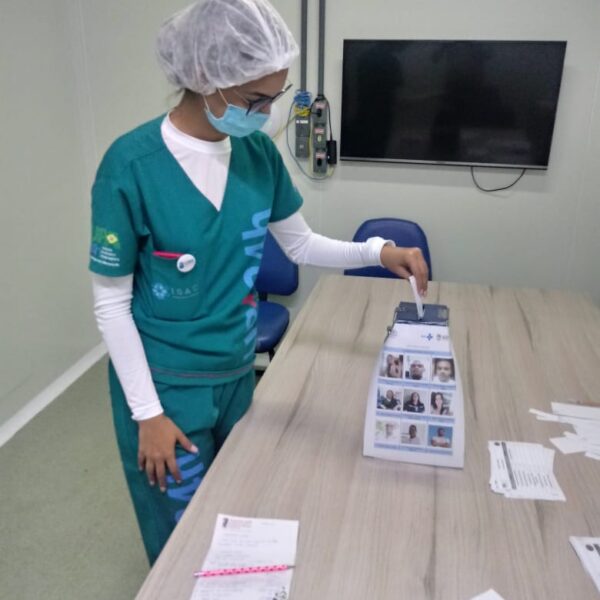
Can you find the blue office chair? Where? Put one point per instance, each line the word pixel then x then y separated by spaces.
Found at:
pixel 404 233
pixel 277 275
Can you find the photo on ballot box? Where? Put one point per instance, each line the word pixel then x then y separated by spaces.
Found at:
pixel 387 432
pixel 413 433
pixel 391 365
pixel 440 403
pixel 417 367
pixel 443 370
pixel 413 400
pixel 439 436
pixel 389 398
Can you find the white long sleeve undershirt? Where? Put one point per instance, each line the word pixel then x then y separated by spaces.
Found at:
pixel 112 304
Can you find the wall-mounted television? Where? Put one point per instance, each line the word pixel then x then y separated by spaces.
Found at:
pixel 488 103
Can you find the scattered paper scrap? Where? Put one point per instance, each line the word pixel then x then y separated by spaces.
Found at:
pixel 489 595
pixel 576 410
pixel 586 422
pixel 568 445
pixel 588 550
pixel 523 470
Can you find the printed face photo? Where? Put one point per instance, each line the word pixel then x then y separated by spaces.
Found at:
pixel 417 368
pixel 439 437
pixel 389 398
pixel 387 432
pixel 441 403
pixel 413 433
pixel 391 366
pixel 413 402
pixel 443 370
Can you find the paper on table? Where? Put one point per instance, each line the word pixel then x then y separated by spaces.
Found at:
pixel 569 445
pixel 586 422
pixel 576 410
pixel 244 542
pixel 489 595
pixel 522 470
pixel 588 550
pixel 544 416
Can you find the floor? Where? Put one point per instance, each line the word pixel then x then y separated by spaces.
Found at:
pixel 67 527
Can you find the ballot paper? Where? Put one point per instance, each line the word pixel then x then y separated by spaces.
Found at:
pixel 489 595
pixel 586 422
pixel 415 410
pixel 576 410
pixel 569 445
pixel 588 550
pixel 522 470
pixel 245 542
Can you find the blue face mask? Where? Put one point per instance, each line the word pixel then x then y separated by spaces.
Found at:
pixel 235 121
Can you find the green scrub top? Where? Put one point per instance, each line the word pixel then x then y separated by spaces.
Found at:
pixel 197 326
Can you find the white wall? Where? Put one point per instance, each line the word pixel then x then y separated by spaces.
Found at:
pixel 543 232
pixel 125 83
pixel 44 299
pixel 74 74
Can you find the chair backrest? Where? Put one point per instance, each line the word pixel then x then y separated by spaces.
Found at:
pixel 403 232
pixel 277 274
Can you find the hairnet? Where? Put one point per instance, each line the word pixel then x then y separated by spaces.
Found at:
pixel 222 43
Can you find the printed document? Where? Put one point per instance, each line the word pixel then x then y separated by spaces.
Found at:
pixel 588 550
pixel 245 542
pixel 522 470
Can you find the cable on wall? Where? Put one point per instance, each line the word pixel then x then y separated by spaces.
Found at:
pixel 506 187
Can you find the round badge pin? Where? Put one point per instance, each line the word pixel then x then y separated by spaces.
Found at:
pixel 185 263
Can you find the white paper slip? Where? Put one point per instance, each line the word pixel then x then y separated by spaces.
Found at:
pixel 522 470
pixel 576 410
pixel 569 445
pixel 243 542
pixel 418 301
pixel 489 595
pixel 588 550
pixel 586 422
pixel 590 430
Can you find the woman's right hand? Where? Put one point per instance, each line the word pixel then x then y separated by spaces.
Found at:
pixel 156 449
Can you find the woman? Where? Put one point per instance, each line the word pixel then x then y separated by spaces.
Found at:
pixel 437 404
pixel 180 209
pixel 414 404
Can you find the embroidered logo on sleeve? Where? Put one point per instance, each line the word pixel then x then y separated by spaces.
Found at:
pixel 105 247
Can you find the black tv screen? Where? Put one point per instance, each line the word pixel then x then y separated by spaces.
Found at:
pixel 489 103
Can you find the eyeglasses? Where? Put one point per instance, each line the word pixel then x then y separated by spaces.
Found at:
pixel 263 101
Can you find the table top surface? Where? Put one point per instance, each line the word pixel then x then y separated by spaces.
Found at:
pixel 378 529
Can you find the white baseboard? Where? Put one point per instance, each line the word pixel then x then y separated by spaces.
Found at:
pixel 46 396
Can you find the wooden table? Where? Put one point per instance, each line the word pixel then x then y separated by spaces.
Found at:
pixel 372 529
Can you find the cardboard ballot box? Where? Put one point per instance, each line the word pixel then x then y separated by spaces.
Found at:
pixel 415 409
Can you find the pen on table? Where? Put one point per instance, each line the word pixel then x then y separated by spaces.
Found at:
pixel 242 570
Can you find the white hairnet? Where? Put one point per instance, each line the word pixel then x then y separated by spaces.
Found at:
pixel 222 43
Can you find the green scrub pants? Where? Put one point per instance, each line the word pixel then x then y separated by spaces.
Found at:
pixel 206 414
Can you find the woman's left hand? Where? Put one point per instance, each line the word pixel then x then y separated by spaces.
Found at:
pixel 405 262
